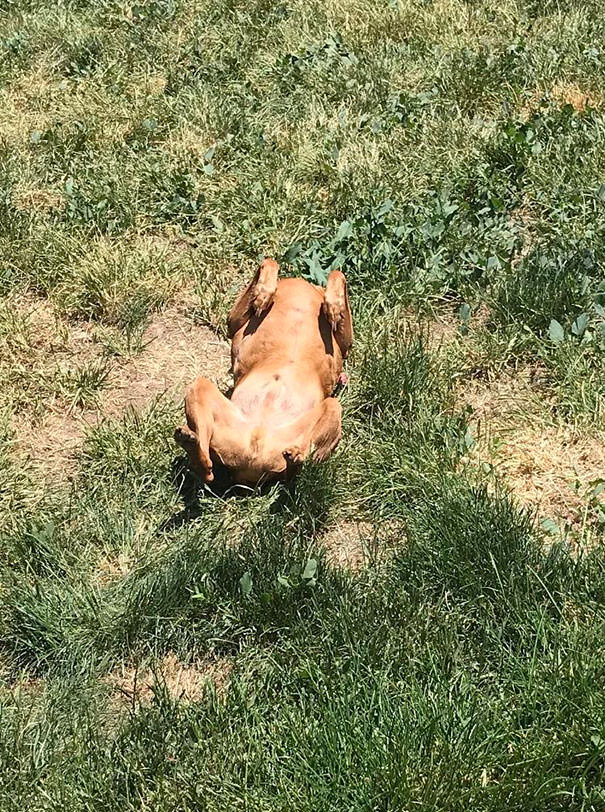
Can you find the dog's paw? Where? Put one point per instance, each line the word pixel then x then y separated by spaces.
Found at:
pixel 198 459
pixel 263 297
pixel 294 455
pixel 184 437
pixel 334 308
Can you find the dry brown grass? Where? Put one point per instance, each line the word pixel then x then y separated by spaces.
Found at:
pixel 352 545
pixel 112 566
pixel 546 465
pixel 551 468
pixel 133 686
pixel 24 688
pixel 28 198
pixel 23 107
pixel 578 97
pixel 156 84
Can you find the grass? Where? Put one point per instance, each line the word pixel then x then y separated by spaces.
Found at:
pixel 448 155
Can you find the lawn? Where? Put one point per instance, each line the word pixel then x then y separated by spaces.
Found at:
pixel 420 623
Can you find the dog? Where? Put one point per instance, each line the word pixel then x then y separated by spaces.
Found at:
pixel 289 339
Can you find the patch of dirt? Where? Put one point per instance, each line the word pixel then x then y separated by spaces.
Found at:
pixel 546 466
pixel 449 327
pixel 501 401
pixel 46 338
pixel 51 442
pixel 444 331
pixel 175 351
pixel 568 93
pixel 132 686
pixel 551 468
pixel 37 347
pixel 352 545
pixel 562 93
pixel 36 199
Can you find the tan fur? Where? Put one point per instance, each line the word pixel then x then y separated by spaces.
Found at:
pixel 288 342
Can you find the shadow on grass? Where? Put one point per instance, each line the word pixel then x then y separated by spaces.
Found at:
pixel 194 492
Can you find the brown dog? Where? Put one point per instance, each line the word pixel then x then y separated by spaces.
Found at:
pixel 288 342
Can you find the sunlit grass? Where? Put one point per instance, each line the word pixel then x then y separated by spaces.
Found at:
pixel 449 157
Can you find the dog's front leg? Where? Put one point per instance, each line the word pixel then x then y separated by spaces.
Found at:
pixel 337 311
pixel 256 298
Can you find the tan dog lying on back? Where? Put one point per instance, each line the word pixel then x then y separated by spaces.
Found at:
pixel 288 342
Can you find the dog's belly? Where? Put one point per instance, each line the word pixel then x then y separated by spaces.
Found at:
pixel 275 398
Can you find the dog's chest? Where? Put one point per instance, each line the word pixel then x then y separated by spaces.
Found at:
pixel 258 348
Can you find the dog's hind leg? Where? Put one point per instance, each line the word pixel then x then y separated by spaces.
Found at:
pixel 337 311
pixel 318 430
pixel 256 298
pixel 327 431
pixel 214 426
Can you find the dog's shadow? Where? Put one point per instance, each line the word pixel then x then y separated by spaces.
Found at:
pixel 194 492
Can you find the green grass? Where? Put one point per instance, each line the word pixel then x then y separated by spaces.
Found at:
pixel 443 154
